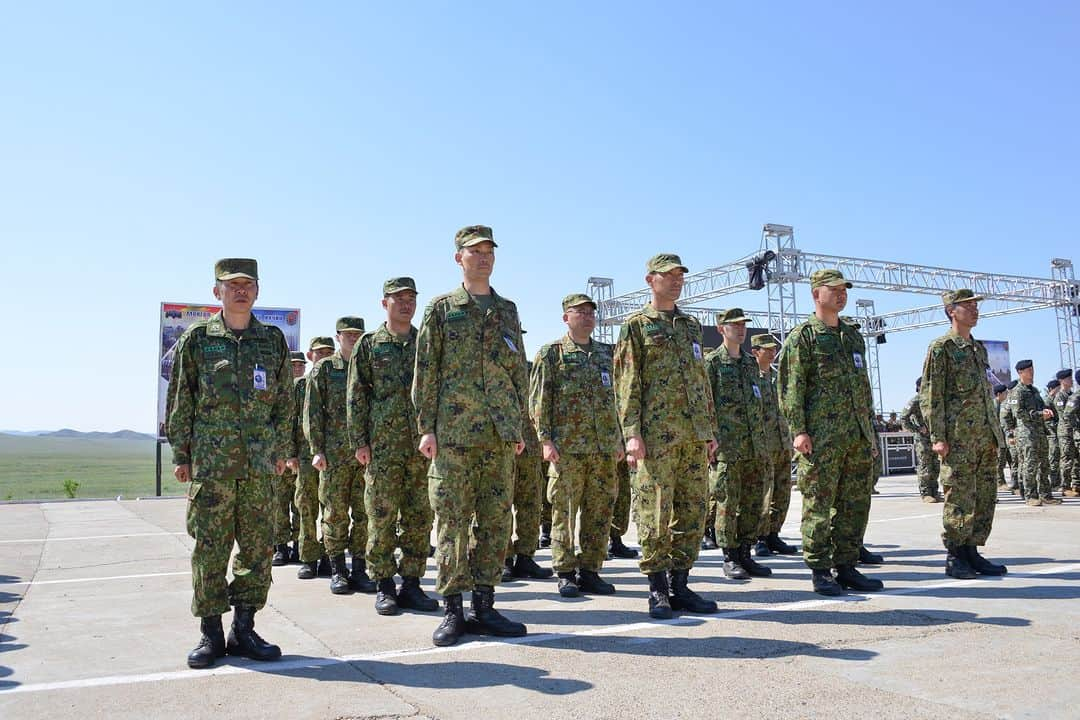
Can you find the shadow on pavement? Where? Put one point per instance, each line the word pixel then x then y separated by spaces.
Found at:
pixel 885 618
pixel 710 647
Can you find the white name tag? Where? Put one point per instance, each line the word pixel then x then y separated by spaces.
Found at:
pixel 510 343
pixel 697 351
pixel 259 377
pixel 858 360
pixel 757 391
pixel 605 378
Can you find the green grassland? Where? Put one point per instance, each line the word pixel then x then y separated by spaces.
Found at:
pixel 33 468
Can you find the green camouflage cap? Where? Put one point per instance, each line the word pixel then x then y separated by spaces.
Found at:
pixel 664 262
pixel 297 356
pixel 474 235
pixel 764 340
pixel 321 342
pixel 830 277
pixel 233 268
pixel 394 285
pixel 733 315
pixel 950 297
pixel 347 323
pixel 575 299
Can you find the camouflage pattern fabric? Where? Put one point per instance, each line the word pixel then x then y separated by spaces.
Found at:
pixel 229 413
pixel 824 391
pixel 957 404
pixel 285 522
pixel 927 464
pixel 1053 450
pixel 529 485
pixel 670 491
pixel 306 493
pixel 1007 423
pixel 620 513
pixel 777 457
pixel 1067 432
pixel 1031 445
pixel 582 490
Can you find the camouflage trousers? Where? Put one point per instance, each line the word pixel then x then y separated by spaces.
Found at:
pixel 528 496
pixel 286 521
pixel 620 514
pixel 1003 459
pixel 396 496
pixel 670 489
pixel 1034 465
pixel 471 489
pixel 737 486
pixel 927 467
pixel 1070 468
pixel 835 483
pixel 219 513
pixel 307 507
pixel 582 490
pixel 1054 456
pixel 341 494
pixel 777 491
pixel 969 478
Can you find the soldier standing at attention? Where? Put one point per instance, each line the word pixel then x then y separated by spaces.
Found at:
pixel 777 452
pixel 737 475
pixel 313 560
pixel 666 413
pixel 926 460
pixel 572 402
pixel 1030 415
pixel 825 396
pixel 1053 452
pixel 1066 444
pixel 1070 425
pixel 286 517
pixel 470 389
pixel 1008 426
pixel 341 479
pixel 1003 456
pixel 228 416
pixel 964 432
pixel 620 516
pixel 382 428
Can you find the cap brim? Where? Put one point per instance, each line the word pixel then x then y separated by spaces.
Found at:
pixel 837 283
pixel 234 276
pixel 351 329
pixel 320 347
pixel 735 321
pixel 396 290
pixel 977 298
pixel 477 241
pixel 298 360
pixel 764 346
pixel 579 304
pixel 672 266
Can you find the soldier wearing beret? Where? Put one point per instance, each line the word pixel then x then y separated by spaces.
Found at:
pixel 382 429
pixel 1067 429
pixel 1066 444
pixel 470 390
pixel 666 413
pixel 926 460
pixel 313 559
pixel 341 479
pixel 1053 449
pixel 228 416
pixel 825 396
pixel 1030 414
pixel 964 432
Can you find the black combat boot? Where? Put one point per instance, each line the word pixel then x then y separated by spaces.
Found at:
pixel 484 619
pixel 359 579
pixel 452 626
pixel 851 579
pixel 386 600
pixel 508 570
pixel 824 584
pixel 868 558
pixel 591 583
pixel 281 555
pixel 733 565
pixel 211 646
pixel 750 565
pixel 956 563
pixel 778 546
pixel 431 551
pixel 981 565
pixel 412 596
pixel 339 577
pixel 568 587
pixel 525 566
pixel 545 535
pixel 761 547
pixel 708 540
pixel 294 552
pixel 244 641
pixel 617 549
pixel 659 600
pixel 325 569
pixel 683 598
pixel 308 570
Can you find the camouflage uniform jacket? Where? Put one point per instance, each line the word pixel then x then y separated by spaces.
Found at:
pixel 1027 407
pixel 299 444
pixel 218 418
pixel 470 371
pixel 823 385
pixel 737 400
pixel 956 400
pixel 777 435
pixel 1006 419
pixel 1070 416
pixel 572 398
pixel 911 419
pixel 1061 403
pixel 380 409
pixel 325 415
pixel 1050 401
pixel 662 392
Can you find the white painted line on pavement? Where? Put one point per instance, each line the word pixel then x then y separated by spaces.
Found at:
pixel 93 579
pixel 91 537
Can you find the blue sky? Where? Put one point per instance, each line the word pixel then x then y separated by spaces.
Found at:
pixel 344 143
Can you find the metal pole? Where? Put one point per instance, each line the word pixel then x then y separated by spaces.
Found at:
pixel 157 484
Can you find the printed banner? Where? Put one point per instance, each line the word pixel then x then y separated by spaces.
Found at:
pixel 997 351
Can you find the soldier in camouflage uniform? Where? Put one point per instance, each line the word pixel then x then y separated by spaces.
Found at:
pixel 1053 451
pixel 1030 415
pixel 777 452
pixel 313 560
pixel 286 517
pixel 964 432
pixel 667 419
pixel 825 395
pixel 228 416
pixel 341 479
pixel 572 403
pixel 737 475
pixel 470 390
pixel 382 429
pixel 1068 428
pixel 620 515
pixel 927 464
pixel 1066 444
pixel 1003 456
pixel 1007 421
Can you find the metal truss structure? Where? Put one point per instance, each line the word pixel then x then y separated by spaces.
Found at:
pixel 1004 294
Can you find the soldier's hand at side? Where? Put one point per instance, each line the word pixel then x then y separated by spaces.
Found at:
pixel 635 447
pixel 873 451
pixel 1047 414
pixel 319 462
pixel 293 464
pixel 941 448
pixel 551 453
pixel 429 446
pixel 803 444
pixel 711 447
pixel 363 455
pixel 619 455
pixel 631 462
pixel 279 466
pixel 519 447
pixel 182 473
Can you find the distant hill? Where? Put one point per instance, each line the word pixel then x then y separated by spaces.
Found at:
pixel 96 435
